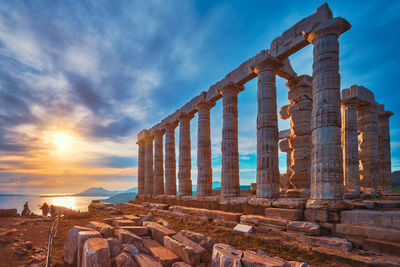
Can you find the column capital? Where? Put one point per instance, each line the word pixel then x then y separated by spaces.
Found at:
pixel 140 142
pixel 231 88
pixel 157 132
pixel 184 116
pixel 170 125
pixel 148 138
pixel 350 100
pixel 299 81
pixel 204 104
pixel 266 62
pixel 335 26
pixel 385 114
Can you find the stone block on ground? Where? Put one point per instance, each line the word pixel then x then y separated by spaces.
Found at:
pixel 181 264
pixel 225 255
pixel 127 237
pixel 243 228
pixel 104 229
pixel 124 260
pixel 158 232
pixel 108 221
pixel 96 253
pixel 131 217
pixel 288 214
pixel 82 237
pixel 307 228
pixel 205 256
pixel 130 249
pixel 114 245
pixel 323 241
pixel 316 215
pixel 186 253
pixel 8 213
pixel 165 256
pixel 204 241
pixel 252 259
pixel 146 218
pixel 389 219
pixel 123 222
pixel 289 203
pixel 70 251
pixel 138 230
pixel 381 246
pixel 144 260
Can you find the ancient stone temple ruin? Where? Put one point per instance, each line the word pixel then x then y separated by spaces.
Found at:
pixel 338 144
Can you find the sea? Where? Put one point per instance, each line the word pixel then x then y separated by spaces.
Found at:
pixel 35 202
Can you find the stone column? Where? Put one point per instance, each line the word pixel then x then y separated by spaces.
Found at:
pixel 350 146
pixel 204 169
pixel 284 177
pixel 230 186
pixel 141 166
pixel 385 164
pixel 158 162
pixel 148 172
pixel 267 128
pixel 368 148
pixel 326 153
pixel 170 159
pixel 185 166
pixel 300 97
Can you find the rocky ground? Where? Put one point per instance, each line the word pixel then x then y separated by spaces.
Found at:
pixel 23 241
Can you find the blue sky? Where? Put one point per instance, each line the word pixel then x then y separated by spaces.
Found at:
pixel 79 79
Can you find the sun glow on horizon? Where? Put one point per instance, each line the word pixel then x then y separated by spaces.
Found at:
pixel 62 140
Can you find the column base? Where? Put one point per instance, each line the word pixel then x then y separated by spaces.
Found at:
pixel 297 193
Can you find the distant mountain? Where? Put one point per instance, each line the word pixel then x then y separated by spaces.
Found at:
pixel 120 198
pixel 97 192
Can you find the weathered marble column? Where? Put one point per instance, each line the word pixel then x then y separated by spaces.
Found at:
pixel 368 147
pixel 141 166
pixel 267 127
pixel 158 162
pixel 326 153
pixel 148 172
pixel 385 163
pixel 350 146
pixel 204 169
pixel 170 159
pixel 230 186
pixel 300 97
pixel 185 166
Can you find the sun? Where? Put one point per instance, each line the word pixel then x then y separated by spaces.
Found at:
pixel 62 140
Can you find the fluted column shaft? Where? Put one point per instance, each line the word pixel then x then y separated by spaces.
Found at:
pixel 300 97
pixel 368 147
pixel 204 168
pixel 158 162
pixel 350 146
pixel 230 186
pixel 385 163
pixel 149 174
pixel 141 166
pixel 326 152
pixel 185 166
pixel 170 159
pixel 267 131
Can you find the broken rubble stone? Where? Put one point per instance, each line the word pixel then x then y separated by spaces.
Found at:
pixel 144 260
pixel 70 244
pixel 165 256
pixel 104 229
pixel 205 256
pixel 114 245
pixel 158 232
pixel 138 230
pixel 124 260
pixel 180 264
pixel 252 259
pixel 130 249
pixel 96 253
pixel 82 237
pixel 225 255
pixel 204 241
pixel 308 228
pixel 186 253
pixel 127 237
